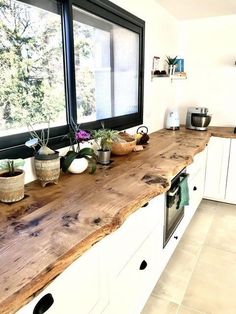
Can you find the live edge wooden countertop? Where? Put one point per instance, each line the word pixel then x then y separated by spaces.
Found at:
pixel 52 226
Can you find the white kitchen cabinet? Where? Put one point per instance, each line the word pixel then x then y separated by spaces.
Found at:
pixel 76 290
pixel 230 195
pixel 119 246
pixel 114 264
pixel 217 168
pixel 196 183
pixel 133 258
pixel 135 282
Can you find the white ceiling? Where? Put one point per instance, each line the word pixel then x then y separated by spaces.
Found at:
pixel 192 9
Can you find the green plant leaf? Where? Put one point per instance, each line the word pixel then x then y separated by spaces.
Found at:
pixel 171 61
pixel 67 160
pixel 87 151
pixel 16 163
pixel 92 164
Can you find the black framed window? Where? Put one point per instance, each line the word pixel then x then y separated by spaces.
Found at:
pixel 79 60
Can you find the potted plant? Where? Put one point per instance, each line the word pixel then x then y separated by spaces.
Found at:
pixel 171 64
pixel 11 180
pixel 77 160
pixel 46 160
pixel 104 139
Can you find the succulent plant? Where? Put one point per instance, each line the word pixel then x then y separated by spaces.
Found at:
pixel 41 139
pixel 171 61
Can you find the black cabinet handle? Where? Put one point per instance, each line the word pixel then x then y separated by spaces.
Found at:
pixel 43 304
pixel 146 204
pixel 176 237
pixel 143 265
pixel 195 188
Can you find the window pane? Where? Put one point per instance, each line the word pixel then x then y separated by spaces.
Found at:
pixel 106 61
pixel 31 62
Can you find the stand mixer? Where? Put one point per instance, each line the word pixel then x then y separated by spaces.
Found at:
pixel 197 118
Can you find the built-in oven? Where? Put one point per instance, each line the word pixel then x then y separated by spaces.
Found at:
pixel 174 212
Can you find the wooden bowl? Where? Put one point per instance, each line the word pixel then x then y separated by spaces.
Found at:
pixel 120 148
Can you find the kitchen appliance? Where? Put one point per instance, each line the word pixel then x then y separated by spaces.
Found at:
pixel 197 118
pixel 173 212
pixel 172 120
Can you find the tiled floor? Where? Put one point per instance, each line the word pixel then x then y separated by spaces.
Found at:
pixel 200 277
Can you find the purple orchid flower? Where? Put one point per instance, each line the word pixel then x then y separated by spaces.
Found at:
pixel 82 135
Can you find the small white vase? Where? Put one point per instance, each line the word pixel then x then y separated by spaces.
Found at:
pixel 78 165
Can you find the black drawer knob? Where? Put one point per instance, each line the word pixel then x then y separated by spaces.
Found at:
pixel 176 237
pixel 43 304
pixel 195 188
pixel 143 265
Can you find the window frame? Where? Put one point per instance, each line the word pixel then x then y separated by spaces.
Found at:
pixel 12 146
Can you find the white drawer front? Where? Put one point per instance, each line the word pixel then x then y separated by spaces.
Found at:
pixel 132 287
pixel 196 190
pixel 75 291
pixel 122 244
pixel 199 163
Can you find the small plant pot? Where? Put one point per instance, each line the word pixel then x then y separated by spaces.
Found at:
pixel 78 165
pixel 12 187
pixel 104 156
pixel 47 168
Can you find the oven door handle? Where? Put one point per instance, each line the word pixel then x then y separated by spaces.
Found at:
pixel 172 193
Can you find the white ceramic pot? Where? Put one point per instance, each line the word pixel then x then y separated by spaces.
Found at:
pixel 78 165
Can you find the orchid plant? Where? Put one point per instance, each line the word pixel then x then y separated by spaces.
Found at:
pixel 76 137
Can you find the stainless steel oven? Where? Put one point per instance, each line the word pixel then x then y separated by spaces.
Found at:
pixel 173 212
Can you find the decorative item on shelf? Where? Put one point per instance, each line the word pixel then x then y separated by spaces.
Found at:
pixel 123 144
pixel 77 160
pixel 156 72
pixel 171 64
pixel 142 136
pixel 11 180
pixel 104 138
pixel 179 66
pixel 155 63
pixel 46 160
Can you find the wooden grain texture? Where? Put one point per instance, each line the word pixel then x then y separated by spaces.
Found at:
pixel 51 227
pixel 227 132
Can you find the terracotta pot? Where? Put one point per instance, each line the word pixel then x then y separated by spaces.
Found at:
pixel 78 165
pixel 47 168
pixel 12 188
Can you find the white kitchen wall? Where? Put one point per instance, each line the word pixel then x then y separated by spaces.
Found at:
pixel 161 39
pixel 209 49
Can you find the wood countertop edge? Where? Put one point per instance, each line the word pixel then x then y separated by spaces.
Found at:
pixel 11 305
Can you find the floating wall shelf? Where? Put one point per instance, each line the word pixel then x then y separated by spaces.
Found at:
pixel 172 77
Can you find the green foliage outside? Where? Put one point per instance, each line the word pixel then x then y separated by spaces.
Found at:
pixel 32 88
pixel 85 80
pixel 31 67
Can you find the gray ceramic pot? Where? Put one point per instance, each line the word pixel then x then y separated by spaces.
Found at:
pixel 104 156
